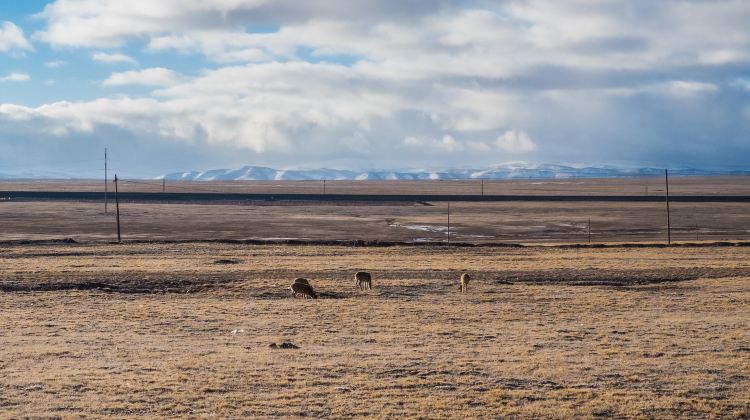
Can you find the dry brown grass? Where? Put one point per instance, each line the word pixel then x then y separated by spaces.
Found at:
pixel 545 346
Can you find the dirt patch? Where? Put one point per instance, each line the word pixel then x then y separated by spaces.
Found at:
pixel 609 277
pixel 126 282
pixel 227 261
pixel 331 295
pixel 62 241
pixel 9 287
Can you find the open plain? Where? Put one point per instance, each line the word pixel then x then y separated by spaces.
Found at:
pixel 172 330
pixel 402 221
pixel 179 319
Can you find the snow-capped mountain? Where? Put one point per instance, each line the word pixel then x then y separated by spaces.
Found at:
pixel 514 170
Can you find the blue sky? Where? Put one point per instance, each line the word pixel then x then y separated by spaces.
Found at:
pixel 188 85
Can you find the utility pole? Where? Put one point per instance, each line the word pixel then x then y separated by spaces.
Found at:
pixel 324 186
pixel 105 180
pixel 117 206
pixel 449 223
pixel 164 185
pixel 669 224
pixel 483 188
pixel 589 230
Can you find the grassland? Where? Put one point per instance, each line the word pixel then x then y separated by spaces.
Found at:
pixel 183 330
pixel 505 222
pixel 510 222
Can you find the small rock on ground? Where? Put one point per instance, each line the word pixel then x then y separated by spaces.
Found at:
pixel 284 345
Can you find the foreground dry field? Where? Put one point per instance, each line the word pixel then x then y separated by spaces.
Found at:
pixel 184 330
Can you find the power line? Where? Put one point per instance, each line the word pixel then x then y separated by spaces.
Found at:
pixel 171 186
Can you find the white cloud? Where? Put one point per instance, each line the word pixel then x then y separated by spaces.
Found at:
pixel 112 58
pixel 157 76
pixel 690 88
pixel 725 56
pixel 515 141
pixel 15 77
pixel 54 64
pixel 12 38
pixel 245 106
pixel 478 146
pixel 413 38
pixel 447 144
pixel 450 80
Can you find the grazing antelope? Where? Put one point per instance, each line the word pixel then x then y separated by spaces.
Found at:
pixel 303 288
pixel 302 280
pixel 465 278
pixel 364 280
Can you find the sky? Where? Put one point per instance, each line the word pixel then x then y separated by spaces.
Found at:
pixel 178 85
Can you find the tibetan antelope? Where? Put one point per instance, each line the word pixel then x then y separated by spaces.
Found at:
pixel 302 280
pixel 364 280
pixel 465 278
pixel 302 286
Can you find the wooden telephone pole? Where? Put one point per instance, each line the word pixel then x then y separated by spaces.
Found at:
pixel 117 206
pixel 105 180
pixel 669 224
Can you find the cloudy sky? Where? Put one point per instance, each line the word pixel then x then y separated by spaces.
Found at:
pixel 175 85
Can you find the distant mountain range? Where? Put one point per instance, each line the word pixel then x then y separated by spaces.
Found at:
pixel 502 171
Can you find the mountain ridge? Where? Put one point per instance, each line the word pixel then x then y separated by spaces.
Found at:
pixel 513 170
